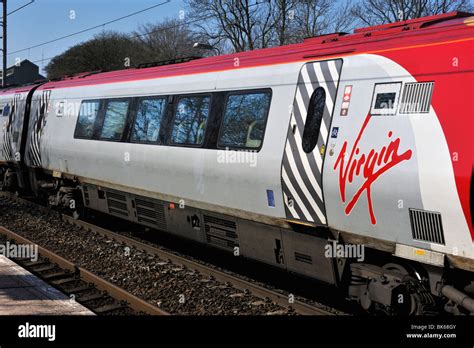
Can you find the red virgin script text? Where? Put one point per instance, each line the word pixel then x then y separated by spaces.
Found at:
pixel 373 165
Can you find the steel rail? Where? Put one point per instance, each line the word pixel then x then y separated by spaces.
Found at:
pixel 114 291
pixel 238 283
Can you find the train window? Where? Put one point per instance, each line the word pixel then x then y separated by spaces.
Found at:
pixel 148 120
pixel 385 98
pixel 244 120
pixel 190 120
pixel 86 119
pixel 316 108
pixel 114 119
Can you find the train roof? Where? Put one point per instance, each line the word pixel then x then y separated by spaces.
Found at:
pixel 393 36
pixel 17 89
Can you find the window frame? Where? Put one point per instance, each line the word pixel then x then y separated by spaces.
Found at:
pixel 221 126
pixel 177 98
pixel 162 123
pixel 100 101
pixel 103 111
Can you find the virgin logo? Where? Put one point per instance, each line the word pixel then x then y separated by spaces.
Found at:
pixel 370 166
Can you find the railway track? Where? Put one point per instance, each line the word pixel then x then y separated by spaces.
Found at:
pixel 243 285
pixel 86 288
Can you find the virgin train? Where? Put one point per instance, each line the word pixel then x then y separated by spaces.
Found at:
pixel 347 158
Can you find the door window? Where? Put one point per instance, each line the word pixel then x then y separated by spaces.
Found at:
pixel 316 107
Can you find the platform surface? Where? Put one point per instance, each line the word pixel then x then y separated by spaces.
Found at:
pixel 22 293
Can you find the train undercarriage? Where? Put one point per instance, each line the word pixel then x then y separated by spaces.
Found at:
pixel 380 282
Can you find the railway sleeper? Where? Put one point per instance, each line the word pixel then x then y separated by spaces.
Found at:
pixel 92 297
pixel 79 289
pixel 109 308
pixel 63 281
pixel 32 264
pixel 45 268
pixel 57 275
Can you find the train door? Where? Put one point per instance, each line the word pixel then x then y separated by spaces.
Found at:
pixel 3 127
pixel 11 135
pixel 306 141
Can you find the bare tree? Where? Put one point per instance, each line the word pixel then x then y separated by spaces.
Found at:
pixel 248 25
pixel 373 12
pixel 297 19
pixel 312 17
pixel 342 18
pixel 226 20
pixel 170 39
pixel 284 16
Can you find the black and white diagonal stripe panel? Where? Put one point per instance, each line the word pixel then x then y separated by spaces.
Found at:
pixel 34 151
pixel 8 131
pixel 301 171
pixel 7 150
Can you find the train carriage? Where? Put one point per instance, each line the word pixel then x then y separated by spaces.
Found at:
pixel 15 103
pixel 286 155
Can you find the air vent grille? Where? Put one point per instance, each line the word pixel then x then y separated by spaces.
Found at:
pixel 151 213
pixel 416 97
pixel 85 189
pixel 303 258
pixel 117 204
pixel 220 222
pixel 427 226
pixel 220 232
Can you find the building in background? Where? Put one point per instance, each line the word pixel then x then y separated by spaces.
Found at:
pixel 23 73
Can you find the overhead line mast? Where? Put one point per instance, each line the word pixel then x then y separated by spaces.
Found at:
pixel 4 36
pixel 4 44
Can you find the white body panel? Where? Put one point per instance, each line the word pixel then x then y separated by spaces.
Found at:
pixel 425 181
pixel 185 173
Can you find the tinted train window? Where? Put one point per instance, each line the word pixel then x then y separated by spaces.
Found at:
pixel 86 119
pixel 384 100
pixel 244 120
pixel 190 120
pixel 314 119
pixel 148 121
pixel 114 120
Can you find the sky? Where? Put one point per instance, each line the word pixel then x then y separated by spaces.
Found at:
pixel 46 20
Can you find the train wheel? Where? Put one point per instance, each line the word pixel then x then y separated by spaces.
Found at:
pixel 420 299
pixel 8 180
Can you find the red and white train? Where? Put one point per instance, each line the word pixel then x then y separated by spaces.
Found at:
pixel 347 158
